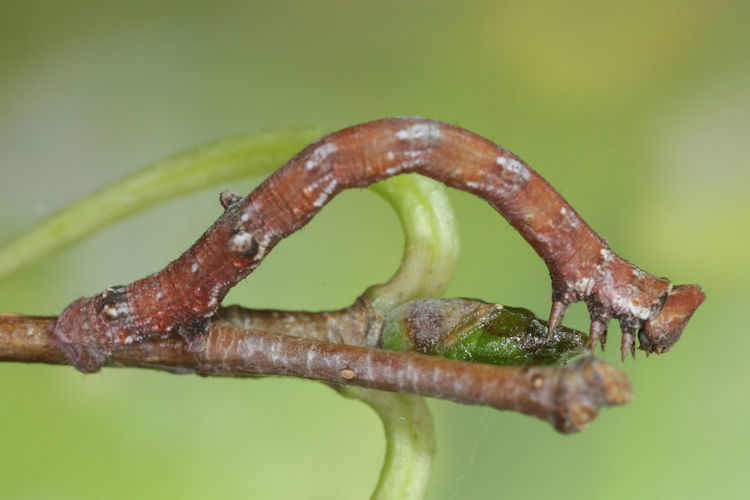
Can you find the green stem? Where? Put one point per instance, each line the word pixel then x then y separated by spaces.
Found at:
pixel 430 253
pixel 431 249
pixel 431 241
pixel 158 182
pixel 410 442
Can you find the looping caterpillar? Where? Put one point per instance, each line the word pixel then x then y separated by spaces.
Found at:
pixel 189 290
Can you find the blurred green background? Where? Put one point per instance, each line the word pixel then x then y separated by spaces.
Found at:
pixel 638 112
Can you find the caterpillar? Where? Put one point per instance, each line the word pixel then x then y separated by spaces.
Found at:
pixel 181 297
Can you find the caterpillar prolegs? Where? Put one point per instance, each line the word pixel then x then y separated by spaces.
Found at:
pixel 187 291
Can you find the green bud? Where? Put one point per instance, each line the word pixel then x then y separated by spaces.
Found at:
pixel 472 330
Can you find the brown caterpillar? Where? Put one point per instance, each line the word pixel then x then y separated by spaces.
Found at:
pixel 189 290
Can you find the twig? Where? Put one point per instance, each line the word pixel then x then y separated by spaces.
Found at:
pixel 567 397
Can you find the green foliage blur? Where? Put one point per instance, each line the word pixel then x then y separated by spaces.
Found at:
pixel 636 111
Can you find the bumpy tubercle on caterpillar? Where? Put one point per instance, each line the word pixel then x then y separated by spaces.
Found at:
pixel 181 297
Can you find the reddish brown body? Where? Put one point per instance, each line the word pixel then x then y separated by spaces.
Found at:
pixel 190 289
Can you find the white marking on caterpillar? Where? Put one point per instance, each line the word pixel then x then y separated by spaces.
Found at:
pixel 327 191
pixel 584 286
pixel 319 155
pixel 425 131
pixel 111 311
pixel 519 169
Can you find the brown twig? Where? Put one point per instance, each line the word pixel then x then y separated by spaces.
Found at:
pixel 359 324
pixel 567 397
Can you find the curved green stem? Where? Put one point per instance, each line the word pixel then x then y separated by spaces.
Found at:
pixel 410 442
pixel 158 182
pixel 431 241
pixel 431 250
pixel 430 253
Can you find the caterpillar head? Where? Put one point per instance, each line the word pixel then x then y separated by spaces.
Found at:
pixel 659 333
